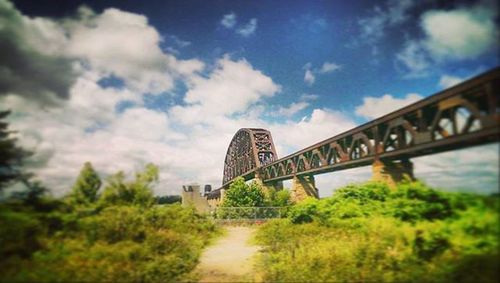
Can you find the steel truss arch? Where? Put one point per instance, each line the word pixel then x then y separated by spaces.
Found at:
pixel 249 149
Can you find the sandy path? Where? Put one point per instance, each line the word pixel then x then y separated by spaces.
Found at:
pixel 230 258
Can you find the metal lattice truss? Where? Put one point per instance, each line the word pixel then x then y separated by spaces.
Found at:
pixel 462 116
pixel 249 149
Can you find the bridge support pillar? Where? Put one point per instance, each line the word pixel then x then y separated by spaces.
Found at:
pixel 277 186
pixel 392 172
pixel 303 187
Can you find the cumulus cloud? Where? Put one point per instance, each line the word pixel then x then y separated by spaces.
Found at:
pixel 248 29
pixel 232 87
pixel 187 141
pixel 450 35
pixel 228 20
pixel 320 125
pixel 27 67
pixel 460 33
pixel 113 43
pixel 374 107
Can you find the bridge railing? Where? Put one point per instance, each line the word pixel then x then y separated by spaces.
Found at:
pixel 248 214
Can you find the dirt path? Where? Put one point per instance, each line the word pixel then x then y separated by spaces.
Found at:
pixel 229 259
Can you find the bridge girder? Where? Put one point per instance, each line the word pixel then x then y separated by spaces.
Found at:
pixel 465 115
pixel 461 116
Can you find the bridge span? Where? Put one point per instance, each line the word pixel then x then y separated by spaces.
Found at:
pixel 459 117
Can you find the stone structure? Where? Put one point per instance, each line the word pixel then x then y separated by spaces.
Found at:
pixel 191 197
pixel 303 187
pixel 277 186
pixel 392 172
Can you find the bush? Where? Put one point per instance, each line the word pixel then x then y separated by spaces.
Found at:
pixel 370 233
pixel 242 195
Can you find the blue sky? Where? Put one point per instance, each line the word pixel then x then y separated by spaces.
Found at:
pixel 178 78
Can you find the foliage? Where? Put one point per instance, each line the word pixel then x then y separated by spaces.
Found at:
pixel 86 186
pixel 168 199
pixel 137 192
pixel 242 195
pixel 122 237
pixel 279 198
pixel 370 233
pixel 11 155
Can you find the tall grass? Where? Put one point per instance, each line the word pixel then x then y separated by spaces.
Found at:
pixel 368 233
pixel 116 243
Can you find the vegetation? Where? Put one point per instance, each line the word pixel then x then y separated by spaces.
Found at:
pixel 11 156
pixel 370 233
pixel 251 201
pixel 169 199
pixel 241 194
pixel 118 235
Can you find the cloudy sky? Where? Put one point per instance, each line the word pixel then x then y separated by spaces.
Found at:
pixel 124 83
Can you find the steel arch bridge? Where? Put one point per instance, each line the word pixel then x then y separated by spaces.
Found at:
pixel 465 115
pixel 249 149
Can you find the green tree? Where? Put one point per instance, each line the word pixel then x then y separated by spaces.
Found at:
pixel 11 155
pixel 278 198
pixel 242 195
pixel 138 191
pixel 86 186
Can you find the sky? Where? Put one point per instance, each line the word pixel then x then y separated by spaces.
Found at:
pixel 125 83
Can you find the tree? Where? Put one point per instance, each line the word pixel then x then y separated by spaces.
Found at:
pixel 11 156
pixel 86 186
pixel 138 192
pixel 278 198
pixel 169 199
pixel 242 195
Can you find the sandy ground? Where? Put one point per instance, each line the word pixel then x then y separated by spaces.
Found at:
pixel 230 258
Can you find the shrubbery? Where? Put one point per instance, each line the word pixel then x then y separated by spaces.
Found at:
pixel 370 233
pixel 116 236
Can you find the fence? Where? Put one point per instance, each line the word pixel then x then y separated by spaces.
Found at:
pixel 247 214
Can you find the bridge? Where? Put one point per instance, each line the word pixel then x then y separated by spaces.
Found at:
pixel 459 117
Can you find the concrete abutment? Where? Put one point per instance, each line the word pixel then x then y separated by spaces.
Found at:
pixel 392 172
pixel 303 187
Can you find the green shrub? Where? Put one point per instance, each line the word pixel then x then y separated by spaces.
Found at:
pixel 370 233
pixel 242 195
pixel 19 234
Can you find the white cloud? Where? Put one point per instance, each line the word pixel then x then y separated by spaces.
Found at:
pixel 461 33
pixel 228 20
pixel 248 29
pixel 310 72
pixel 321 124
pixel 374 107
pixel 232 87
pixel 329 67
pixel 113 43
pixel 292 109
pixel 187 141
pixel 373 28
pixel 308 97
pixel 450 35
pixel 309 78
pixel 447 81
pixel 415 59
